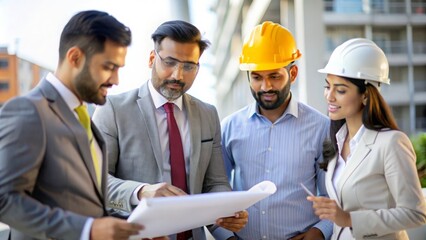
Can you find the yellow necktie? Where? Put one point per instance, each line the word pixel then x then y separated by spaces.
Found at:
pixel 84 118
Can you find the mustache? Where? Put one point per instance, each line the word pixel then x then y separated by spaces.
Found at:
pixel 106 85
pixel 174 81
pixel 260 93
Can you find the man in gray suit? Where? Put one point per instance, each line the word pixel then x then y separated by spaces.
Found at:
pixel 135 128
pixel 52 179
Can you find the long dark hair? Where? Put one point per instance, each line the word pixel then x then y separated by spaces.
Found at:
pixel 376 115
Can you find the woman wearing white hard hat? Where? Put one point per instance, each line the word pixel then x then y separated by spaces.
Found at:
pixel 371 175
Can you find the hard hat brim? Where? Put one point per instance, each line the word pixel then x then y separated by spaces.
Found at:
pixel 358 76
pixel 263 66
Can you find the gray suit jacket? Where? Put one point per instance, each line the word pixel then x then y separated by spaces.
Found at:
pixel 380 187
pixel 129 127
pixel 47 178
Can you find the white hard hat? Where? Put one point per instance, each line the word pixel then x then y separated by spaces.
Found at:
pixel 359 58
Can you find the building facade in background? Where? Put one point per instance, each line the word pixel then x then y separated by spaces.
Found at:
pixel 17 75
pixel 397 26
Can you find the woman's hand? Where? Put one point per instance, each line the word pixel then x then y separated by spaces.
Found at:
pixel 326 208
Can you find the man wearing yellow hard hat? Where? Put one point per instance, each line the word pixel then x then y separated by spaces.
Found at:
pixel 276 138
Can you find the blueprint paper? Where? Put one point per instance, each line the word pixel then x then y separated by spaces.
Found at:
pixel 169 215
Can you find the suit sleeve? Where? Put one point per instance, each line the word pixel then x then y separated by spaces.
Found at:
pixel 22 149
pixel 119 191
pixel 401 176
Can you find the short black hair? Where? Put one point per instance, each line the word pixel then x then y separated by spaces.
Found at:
pixel 89 30
pixel 179 31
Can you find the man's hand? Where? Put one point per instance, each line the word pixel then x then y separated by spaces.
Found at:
pixel 235 223
pixel 113 228
pixel 159 190
pixel 312 234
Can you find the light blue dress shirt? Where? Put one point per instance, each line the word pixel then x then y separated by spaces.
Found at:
pixel 286 152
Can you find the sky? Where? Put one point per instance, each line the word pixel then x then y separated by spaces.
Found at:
pixel 31 30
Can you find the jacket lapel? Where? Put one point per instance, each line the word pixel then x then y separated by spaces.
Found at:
pixel 147 110
pixel 195 133
pixel 359 155
pixel 61 109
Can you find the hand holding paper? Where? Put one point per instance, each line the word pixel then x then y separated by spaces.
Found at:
pixel 169 215
pixel 234 223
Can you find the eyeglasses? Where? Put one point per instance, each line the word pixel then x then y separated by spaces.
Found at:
pixel 171 63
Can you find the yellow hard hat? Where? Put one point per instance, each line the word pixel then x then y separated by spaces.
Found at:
pixel 269 46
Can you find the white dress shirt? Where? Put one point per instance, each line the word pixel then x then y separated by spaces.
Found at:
pixel 341 163
pixel 161 119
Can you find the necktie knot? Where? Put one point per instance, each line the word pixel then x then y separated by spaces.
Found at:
pixel 168 107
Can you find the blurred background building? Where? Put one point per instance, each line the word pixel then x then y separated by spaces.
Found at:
pixel 397 26
pixel 17 75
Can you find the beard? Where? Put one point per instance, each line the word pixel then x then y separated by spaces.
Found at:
pixel 170 93
pixel 282 95
pixel 161 86
pixel 87 88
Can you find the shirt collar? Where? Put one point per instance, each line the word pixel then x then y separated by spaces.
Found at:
pixel 69 97
pixel 357 138
pixel 341 135
pixel 159 100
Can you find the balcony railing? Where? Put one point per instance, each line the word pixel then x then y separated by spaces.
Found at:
pixel 418 8
pixel 419 47
pixel 392 47
pixel 373 6
pixel 389 47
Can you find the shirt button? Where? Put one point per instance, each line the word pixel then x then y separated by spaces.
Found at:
pixel 264 237
pixel 267 170
pixel 269 148
pixel 263 212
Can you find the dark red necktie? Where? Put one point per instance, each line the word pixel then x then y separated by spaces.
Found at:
pixel 177 161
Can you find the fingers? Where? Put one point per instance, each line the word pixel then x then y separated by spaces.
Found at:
pixel 176 191
pixel 123 230
pixel 298 237
pixel 235 223
pixel 160 190
pixel 242 214
pixel 113 228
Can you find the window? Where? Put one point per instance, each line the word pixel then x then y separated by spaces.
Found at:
pixel 348 6
pixel 4 85
pixel 4 63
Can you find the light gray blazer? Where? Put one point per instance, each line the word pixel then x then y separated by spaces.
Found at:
pixel 129 127
pixel 380 187
pixel 47 179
